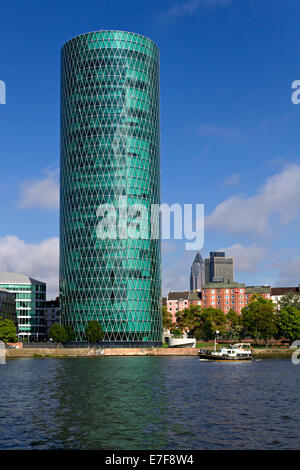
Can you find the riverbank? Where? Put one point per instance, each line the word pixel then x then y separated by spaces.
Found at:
pixel 259 353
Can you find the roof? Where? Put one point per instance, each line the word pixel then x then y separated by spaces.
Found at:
pixel 15 278
pixel 179 295
pixel 284 290
pixel 6 291
pixel 198 258
pixel 185 295
pixel 195 295
pixel 258 289
pixel 223 285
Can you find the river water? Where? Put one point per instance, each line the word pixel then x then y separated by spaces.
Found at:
pixel 149 403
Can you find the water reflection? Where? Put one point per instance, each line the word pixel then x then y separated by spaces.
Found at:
pixel 148 403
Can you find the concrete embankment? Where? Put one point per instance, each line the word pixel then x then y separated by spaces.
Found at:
pixel 109 352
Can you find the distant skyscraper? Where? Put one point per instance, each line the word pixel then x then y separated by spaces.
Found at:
pixel 218 268
pixel 197 278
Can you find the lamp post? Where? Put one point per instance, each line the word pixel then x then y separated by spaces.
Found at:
pixel 216 335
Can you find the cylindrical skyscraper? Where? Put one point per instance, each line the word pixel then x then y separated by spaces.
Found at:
pixel 110 156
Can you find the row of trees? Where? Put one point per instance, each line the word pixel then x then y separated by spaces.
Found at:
pixel 58 333
pixel 260 319
pixel 61 334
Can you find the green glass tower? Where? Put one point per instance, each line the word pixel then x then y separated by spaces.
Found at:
pixel 110 152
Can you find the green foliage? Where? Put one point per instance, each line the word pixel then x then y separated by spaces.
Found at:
pixel 8 330
pixel 176 332
pixel 212 319
pixel 202 323
pixel 166 318
pixel 259 318
pixel 71 336
pixel 289 323
pixel 189 318
pixel 94 332
pixel 290 300
pixel 58 333
pixel 233 324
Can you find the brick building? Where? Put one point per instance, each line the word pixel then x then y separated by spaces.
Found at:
pixel 177 301
pixel 217 295
pixel 231 296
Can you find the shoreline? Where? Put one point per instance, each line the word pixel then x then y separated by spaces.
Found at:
pixel 44 353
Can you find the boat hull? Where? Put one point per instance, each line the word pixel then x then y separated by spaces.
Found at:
pixel 211 357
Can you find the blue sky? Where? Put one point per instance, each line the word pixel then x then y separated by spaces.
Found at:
pixel 229 129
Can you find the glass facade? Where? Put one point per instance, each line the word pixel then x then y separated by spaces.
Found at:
pixel 8 305
pixel 30 307
pixel 110 151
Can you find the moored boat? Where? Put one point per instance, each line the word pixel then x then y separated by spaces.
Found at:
pixel 235 352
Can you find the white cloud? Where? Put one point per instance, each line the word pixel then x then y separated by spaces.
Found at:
pixel 43 194
pixel 246 258
pixel 168 247
pixel 176 272
pixel 39 261
pixel 191 6
pixel 207 130
pixel 289 275
pixel 233 179
pixel 280 195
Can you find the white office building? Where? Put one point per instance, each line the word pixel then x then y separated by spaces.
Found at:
pixel 30 304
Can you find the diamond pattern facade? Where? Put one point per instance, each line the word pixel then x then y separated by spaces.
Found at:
pixel 110 147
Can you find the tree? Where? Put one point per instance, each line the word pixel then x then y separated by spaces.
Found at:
pixel 289 323
pixel 233 324
pixel 259 318
pixel 290 300
pixel 212 320
pixel 189 318
pixel 71 336
pixel 94 332
pixel 176 332
pixel 202 323
pixel 8 330
pixel 166 318
pixel 58 333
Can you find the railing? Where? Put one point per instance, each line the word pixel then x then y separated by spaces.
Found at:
pixel 101 344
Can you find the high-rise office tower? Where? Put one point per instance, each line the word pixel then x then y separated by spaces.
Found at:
pixel 197 273
pixel 218 268
pixel 110 152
